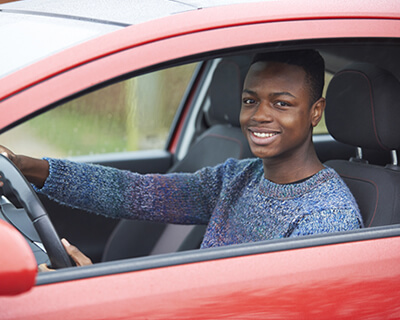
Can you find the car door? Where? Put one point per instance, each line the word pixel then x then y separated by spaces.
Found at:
pixel 316 277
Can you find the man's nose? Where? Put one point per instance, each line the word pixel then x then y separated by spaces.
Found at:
pixel 263 112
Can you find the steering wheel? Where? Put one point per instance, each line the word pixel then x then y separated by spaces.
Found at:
pixel 34 209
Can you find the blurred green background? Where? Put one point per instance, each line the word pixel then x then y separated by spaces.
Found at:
pixel 134 114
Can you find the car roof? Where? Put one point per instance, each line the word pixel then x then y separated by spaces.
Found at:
pixel 118 12
pixel 34 29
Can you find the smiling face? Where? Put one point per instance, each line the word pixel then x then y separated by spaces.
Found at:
pixel 276 115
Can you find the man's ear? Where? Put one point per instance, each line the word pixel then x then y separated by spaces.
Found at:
pixel 317 109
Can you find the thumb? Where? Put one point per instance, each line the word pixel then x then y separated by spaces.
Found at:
pixel 44 268
pixel 76 255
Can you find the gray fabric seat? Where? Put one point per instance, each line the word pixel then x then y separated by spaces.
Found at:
pixel 223 139
pixel 363 110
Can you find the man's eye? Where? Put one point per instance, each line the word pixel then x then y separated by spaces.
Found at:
pixel 248 101
pixel 282 104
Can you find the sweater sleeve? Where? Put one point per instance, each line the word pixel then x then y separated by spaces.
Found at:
pixel 175 198
pixel 333 220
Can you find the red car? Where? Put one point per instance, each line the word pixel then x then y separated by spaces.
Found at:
pixel 154 87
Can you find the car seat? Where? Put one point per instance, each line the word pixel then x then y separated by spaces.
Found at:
pixel 362 110
pixel 221 140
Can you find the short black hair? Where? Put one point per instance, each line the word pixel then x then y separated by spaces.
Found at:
pixel 310 60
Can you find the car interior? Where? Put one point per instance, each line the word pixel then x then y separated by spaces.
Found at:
pixel 376 113
pixel 361 116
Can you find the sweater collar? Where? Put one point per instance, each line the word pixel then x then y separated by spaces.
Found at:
pixel 294 190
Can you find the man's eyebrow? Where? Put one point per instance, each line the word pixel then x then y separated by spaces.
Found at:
pixel 273 94
pixel 284 93
pixel 249 91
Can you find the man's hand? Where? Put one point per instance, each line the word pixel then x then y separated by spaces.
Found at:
pixel 35 170
pixel 76 255
pixel 10 155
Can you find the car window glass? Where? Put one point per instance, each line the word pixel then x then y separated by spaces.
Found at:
pixel 135 114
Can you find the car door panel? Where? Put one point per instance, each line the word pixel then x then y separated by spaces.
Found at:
pixel 308 282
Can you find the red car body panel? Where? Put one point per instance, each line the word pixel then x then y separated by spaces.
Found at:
pixel 17 266
pixel 294 284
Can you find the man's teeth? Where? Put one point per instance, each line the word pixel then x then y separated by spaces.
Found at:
pixel 263 134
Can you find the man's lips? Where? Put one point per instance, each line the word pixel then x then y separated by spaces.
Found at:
pixel 262 136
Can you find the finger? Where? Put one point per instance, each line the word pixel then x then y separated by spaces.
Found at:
pixel 76 255
pixel 8 154
pixel 44 268
pixel 5 154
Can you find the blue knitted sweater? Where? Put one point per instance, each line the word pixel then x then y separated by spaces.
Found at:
pixel 234 199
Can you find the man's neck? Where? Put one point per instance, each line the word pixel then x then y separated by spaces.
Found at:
pixel 284 171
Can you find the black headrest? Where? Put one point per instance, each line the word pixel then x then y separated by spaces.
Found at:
pixel 363 107
pixel 226 91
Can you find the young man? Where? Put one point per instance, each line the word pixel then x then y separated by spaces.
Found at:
pixel 285 192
